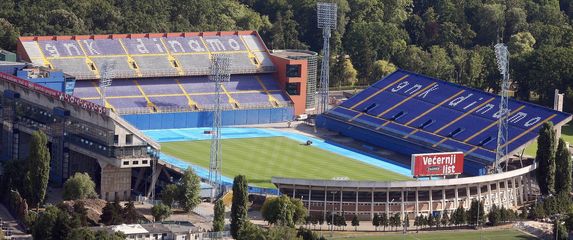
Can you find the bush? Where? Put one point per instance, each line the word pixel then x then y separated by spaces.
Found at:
pixel 160 212
pixel 79 186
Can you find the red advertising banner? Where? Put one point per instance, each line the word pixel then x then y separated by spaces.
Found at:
pixel 437 164
pixel 55 94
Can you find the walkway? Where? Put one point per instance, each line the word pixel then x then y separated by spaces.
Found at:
pixel 9 225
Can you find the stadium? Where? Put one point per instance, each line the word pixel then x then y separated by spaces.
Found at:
pixel 152 122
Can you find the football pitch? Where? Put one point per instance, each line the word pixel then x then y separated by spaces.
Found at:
pixel 262 158
pixel 507 234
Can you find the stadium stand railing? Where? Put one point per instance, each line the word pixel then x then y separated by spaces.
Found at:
pixel 146 110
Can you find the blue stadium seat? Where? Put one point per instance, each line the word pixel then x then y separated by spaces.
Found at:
pixel 442 115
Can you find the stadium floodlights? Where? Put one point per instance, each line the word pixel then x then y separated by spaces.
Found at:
pixel 220 72
pixel 501 54
pixel 327 15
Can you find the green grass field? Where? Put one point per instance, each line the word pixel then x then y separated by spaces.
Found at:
pixel 566 134
pixel 262 158
pixel 507 234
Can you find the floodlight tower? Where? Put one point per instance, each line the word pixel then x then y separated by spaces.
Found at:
pixel 220 72
pixel 326 13
pixel 106 79
pixel 502 55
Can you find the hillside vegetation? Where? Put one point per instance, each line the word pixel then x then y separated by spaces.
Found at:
pixel 447 39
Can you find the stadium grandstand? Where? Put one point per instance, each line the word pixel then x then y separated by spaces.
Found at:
pixel 411 113
pixel 160 80
pixel 83 137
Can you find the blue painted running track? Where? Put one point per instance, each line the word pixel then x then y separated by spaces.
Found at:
pixel 196 134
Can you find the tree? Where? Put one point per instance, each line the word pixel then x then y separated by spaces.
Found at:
pixel 219 218
pixel 160 212
pixel 63 225
pixel 129 213
pixel 546 159
pixel 445 219
pixel 563 173
pixel 285 32
pixel 239 207
pixel 8 35
pixel 111 214
pixel 250 231
pixel 306 234
pixel 395 220
pixel 104 235
pixel 355 222
pixel 169 194
pixel 81 233
pixel 300 212
pixel 384 220
pixel 39 170
pixel 521 43
pixel 490 22
pixel 343 73
pixel 475 213
pixel 431 221
pixel 80 212
pixel 282 211
pixel 537 211
pixel 79 186
pixel 376 221
pixel 190 188
pixel 559 231
pixel 494 215
pixel 380 69
pixel 459 216
pixel 42 228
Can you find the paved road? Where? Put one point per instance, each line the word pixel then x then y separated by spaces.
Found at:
pixel 10 226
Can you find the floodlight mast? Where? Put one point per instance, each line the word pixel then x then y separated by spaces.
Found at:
pixel 106 79
pixel 219 73
pixel 327 18
pixel 502 56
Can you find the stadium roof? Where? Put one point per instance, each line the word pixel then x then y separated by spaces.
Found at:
pixel 147 55
pixel 443 115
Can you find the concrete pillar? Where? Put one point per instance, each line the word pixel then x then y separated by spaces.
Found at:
pixel 498 199
pixel 468 197
pixel 457 199
pixel 324 211
pixel 479 192
pixel 514 192
pixel 529 187
pixel 293 191
pixel 443 199
pixel 520 189
pixel 417 209
pixel 372 204
pixel 309 197
pixel 387 201
pixel 431 202
pixel 489 194
pixel 340 208
pixel 356 212
pixel 402 200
